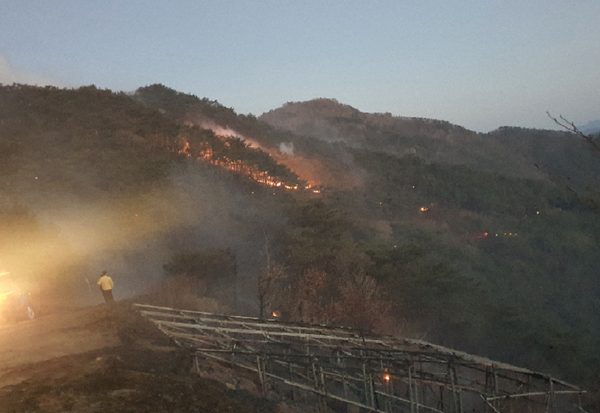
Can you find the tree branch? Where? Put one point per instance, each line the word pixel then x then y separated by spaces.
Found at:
pixel 570 126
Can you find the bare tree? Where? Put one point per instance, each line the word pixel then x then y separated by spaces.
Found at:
pixel 570 126
pixel 266 282
pixel 363 304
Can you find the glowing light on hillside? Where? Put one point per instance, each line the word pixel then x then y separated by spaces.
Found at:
pixel 206 154
pixel 423 209
pixel 478 235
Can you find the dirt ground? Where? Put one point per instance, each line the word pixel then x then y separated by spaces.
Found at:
pixel 97 359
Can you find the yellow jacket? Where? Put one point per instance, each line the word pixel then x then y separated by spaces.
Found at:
pixel 105 283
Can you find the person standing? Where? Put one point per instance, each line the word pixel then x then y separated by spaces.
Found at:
pixel 106 286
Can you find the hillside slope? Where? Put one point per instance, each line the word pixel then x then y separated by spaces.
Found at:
pixel 153 185
pixel 99 360
pixel 516 152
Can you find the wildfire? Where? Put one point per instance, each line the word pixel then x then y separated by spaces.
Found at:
pixel 386 377
pixel 309 187
pixel 205 154
pixel 478 235
pixel 423 209
pixel 185 150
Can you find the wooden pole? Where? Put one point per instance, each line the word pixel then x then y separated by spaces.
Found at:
pixel 372 391
pixel 410 390
pixel 367 392
pixel 552 397
pixel 261 378
pixel 496 386
pixel 452 383
pixel 321 403
pixel 345 386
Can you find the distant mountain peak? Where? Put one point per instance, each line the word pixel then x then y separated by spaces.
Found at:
pixel 591 127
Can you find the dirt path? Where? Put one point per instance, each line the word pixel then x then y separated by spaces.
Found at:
pixel 96 360
pixel 73 332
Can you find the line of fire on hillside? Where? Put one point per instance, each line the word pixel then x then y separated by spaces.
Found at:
pixel 252 171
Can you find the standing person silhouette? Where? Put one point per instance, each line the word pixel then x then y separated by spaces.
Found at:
pixel 106 286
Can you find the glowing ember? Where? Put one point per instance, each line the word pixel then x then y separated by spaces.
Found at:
pixel 205 154
pixel 386 377
pixel 185 149
pixel 424 209
pixel 477 235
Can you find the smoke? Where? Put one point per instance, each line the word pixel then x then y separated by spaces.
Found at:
pixel 340 172
pixel 218 129
pixel 225 132
pixel 286 148
pixel 314 171
pixel 10 74
pixel 133 236
pixel 74 241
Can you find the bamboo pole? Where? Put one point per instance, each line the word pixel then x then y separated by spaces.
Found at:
pixel 410 390
pixel 338 350
pixel 454 399
pixel 489 404
pixel 367 393
pixel 260 375
pixel 532 394
pixel 552 397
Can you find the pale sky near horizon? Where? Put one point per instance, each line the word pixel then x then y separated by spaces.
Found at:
pixel 481 64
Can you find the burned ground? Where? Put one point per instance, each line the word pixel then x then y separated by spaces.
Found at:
pixel 125 366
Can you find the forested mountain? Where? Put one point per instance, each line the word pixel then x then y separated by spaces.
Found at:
pixel 518 152
pixel 436 242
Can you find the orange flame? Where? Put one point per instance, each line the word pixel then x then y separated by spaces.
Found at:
pixel 262 177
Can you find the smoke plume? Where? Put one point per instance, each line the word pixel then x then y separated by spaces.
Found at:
pixel 286 148
pixel 10 74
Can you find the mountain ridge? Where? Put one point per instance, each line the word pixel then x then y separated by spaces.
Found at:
pixel 511 151
pixel 498 266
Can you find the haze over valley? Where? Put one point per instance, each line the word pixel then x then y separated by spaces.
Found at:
pixel 426 171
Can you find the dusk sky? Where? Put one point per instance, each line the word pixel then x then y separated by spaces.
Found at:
pixel 478 63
